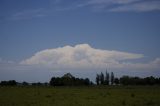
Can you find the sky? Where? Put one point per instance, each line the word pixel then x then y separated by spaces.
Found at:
pixel 44 38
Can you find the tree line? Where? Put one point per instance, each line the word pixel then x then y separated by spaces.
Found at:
pixel 15 83
pixel 101 79
pixel 109 79
pixel 10 82
pixel 65 80
pixel 126 80
pixel 69 80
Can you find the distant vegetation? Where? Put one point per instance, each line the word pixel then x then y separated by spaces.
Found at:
pixel 71 91
pixel 101 79
pixel 69 80
pixel 109 79
pixel 11 82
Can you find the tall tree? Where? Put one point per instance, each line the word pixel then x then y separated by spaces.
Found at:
pixel 102 78
pixel 112 78
pixel 97 79
pixel 107 78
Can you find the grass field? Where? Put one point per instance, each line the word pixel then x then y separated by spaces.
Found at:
pixel 80 96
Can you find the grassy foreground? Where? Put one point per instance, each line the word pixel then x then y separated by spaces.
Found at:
pixel 80 96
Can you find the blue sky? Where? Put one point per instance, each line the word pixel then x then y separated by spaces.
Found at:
pixel 28 27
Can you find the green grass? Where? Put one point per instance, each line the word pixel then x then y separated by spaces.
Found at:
pixel 80 96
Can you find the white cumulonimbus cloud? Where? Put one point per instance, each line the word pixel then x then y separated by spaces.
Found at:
pixel 83 56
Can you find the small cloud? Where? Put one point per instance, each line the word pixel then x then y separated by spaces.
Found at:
pixel 111 1
pixel 2 61
pixel 138 7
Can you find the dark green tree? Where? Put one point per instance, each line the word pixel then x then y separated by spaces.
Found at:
pixel 102 78
pixel 112 78
pixel 52 81
pixel 116 81
pixel 97 79
pixel 69 80
pixel 10 83
pixel 86 81
pixel 124 80
pixel 107 78
pixel 25 83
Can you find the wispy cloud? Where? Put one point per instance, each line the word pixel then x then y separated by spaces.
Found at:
pixel 139 7
pixel 83 56
pixel 94 5
pixel 113 5
pixel 111 1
